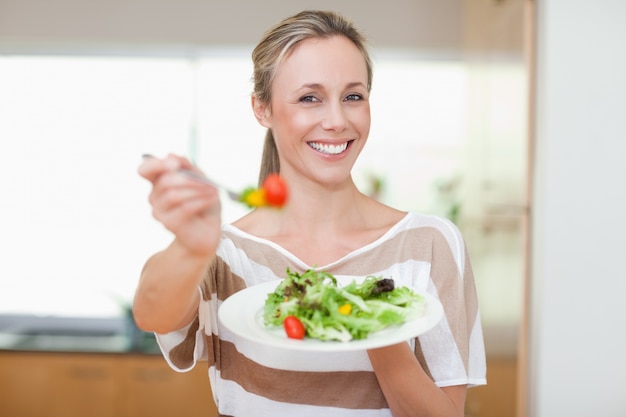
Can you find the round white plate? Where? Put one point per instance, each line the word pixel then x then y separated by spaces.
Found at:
pixel 242 314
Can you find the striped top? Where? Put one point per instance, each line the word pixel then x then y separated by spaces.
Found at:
pixel 426 253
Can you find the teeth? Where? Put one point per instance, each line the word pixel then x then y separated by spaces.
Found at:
pixel 329 149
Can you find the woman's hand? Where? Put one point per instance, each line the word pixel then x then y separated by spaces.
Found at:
pixel 187 208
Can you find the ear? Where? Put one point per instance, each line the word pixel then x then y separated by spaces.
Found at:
pixel 261 112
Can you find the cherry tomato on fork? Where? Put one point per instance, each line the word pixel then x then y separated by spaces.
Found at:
pixel 294 327
pixel 275 190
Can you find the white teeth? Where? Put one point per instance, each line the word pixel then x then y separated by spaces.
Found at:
pixel 329 149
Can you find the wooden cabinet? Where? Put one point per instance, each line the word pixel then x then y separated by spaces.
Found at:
pixel 154 389
pixel 34 384
pixel 499 397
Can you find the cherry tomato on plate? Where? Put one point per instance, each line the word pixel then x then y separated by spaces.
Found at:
pixel 275 190
pixel 294 327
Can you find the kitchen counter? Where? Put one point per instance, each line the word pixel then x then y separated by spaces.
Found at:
pixel 74 334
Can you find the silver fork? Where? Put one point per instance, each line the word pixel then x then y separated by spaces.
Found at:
pixel 197 176
pixel 205 180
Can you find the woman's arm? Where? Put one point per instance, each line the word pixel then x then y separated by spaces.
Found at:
pixel 167 295
pixel 408 389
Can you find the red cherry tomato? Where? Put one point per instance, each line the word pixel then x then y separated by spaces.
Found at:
pixel 294 327
pixel 275 190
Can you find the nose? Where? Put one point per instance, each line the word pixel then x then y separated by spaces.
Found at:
pixel 335 118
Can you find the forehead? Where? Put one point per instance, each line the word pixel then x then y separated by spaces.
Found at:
pixel 323 57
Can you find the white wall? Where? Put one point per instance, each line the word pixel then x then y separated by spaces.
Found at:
pixel 578 327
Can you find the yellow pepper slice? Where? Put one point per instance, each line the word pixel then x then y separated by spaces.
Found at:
pixel 255 198
pixel 345 309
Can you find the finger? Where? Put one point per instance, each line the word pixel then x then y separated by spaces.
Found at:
pixel 172 197
pixel 173 189
pixel 151 168
pixel 175 182
pixel 179 217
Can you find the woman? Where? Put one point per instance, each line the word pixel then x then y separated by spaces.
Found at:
pixel 312 78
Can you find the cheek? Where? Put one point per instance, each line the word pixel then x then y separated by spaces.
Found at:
pixel 299 120
pixel 362 118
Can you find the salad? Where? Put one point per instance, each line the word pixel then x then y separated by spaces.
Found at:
pixel 312 305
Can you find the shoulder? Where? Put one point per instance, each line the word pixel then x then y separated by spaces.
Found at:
pixel 442 233
pixel 442 225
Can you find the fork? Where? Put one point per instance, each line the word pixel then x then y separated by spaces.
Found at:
pixel 197 176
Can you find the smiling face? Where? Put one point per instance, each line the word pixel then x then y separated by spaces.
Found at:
pixel 319 113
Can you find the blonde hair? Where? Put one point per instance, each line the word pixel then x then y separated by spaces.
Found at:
pixel 276 45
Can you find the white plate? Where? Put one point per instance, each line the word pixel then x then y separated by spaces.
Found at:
pixel 242 314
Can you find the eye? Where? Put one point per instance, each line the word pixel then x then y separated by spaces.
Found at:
pixel 308 99
pixel 354 97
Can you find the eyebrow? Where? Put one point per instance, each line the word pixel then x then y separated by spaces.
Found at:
pixel 317 86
